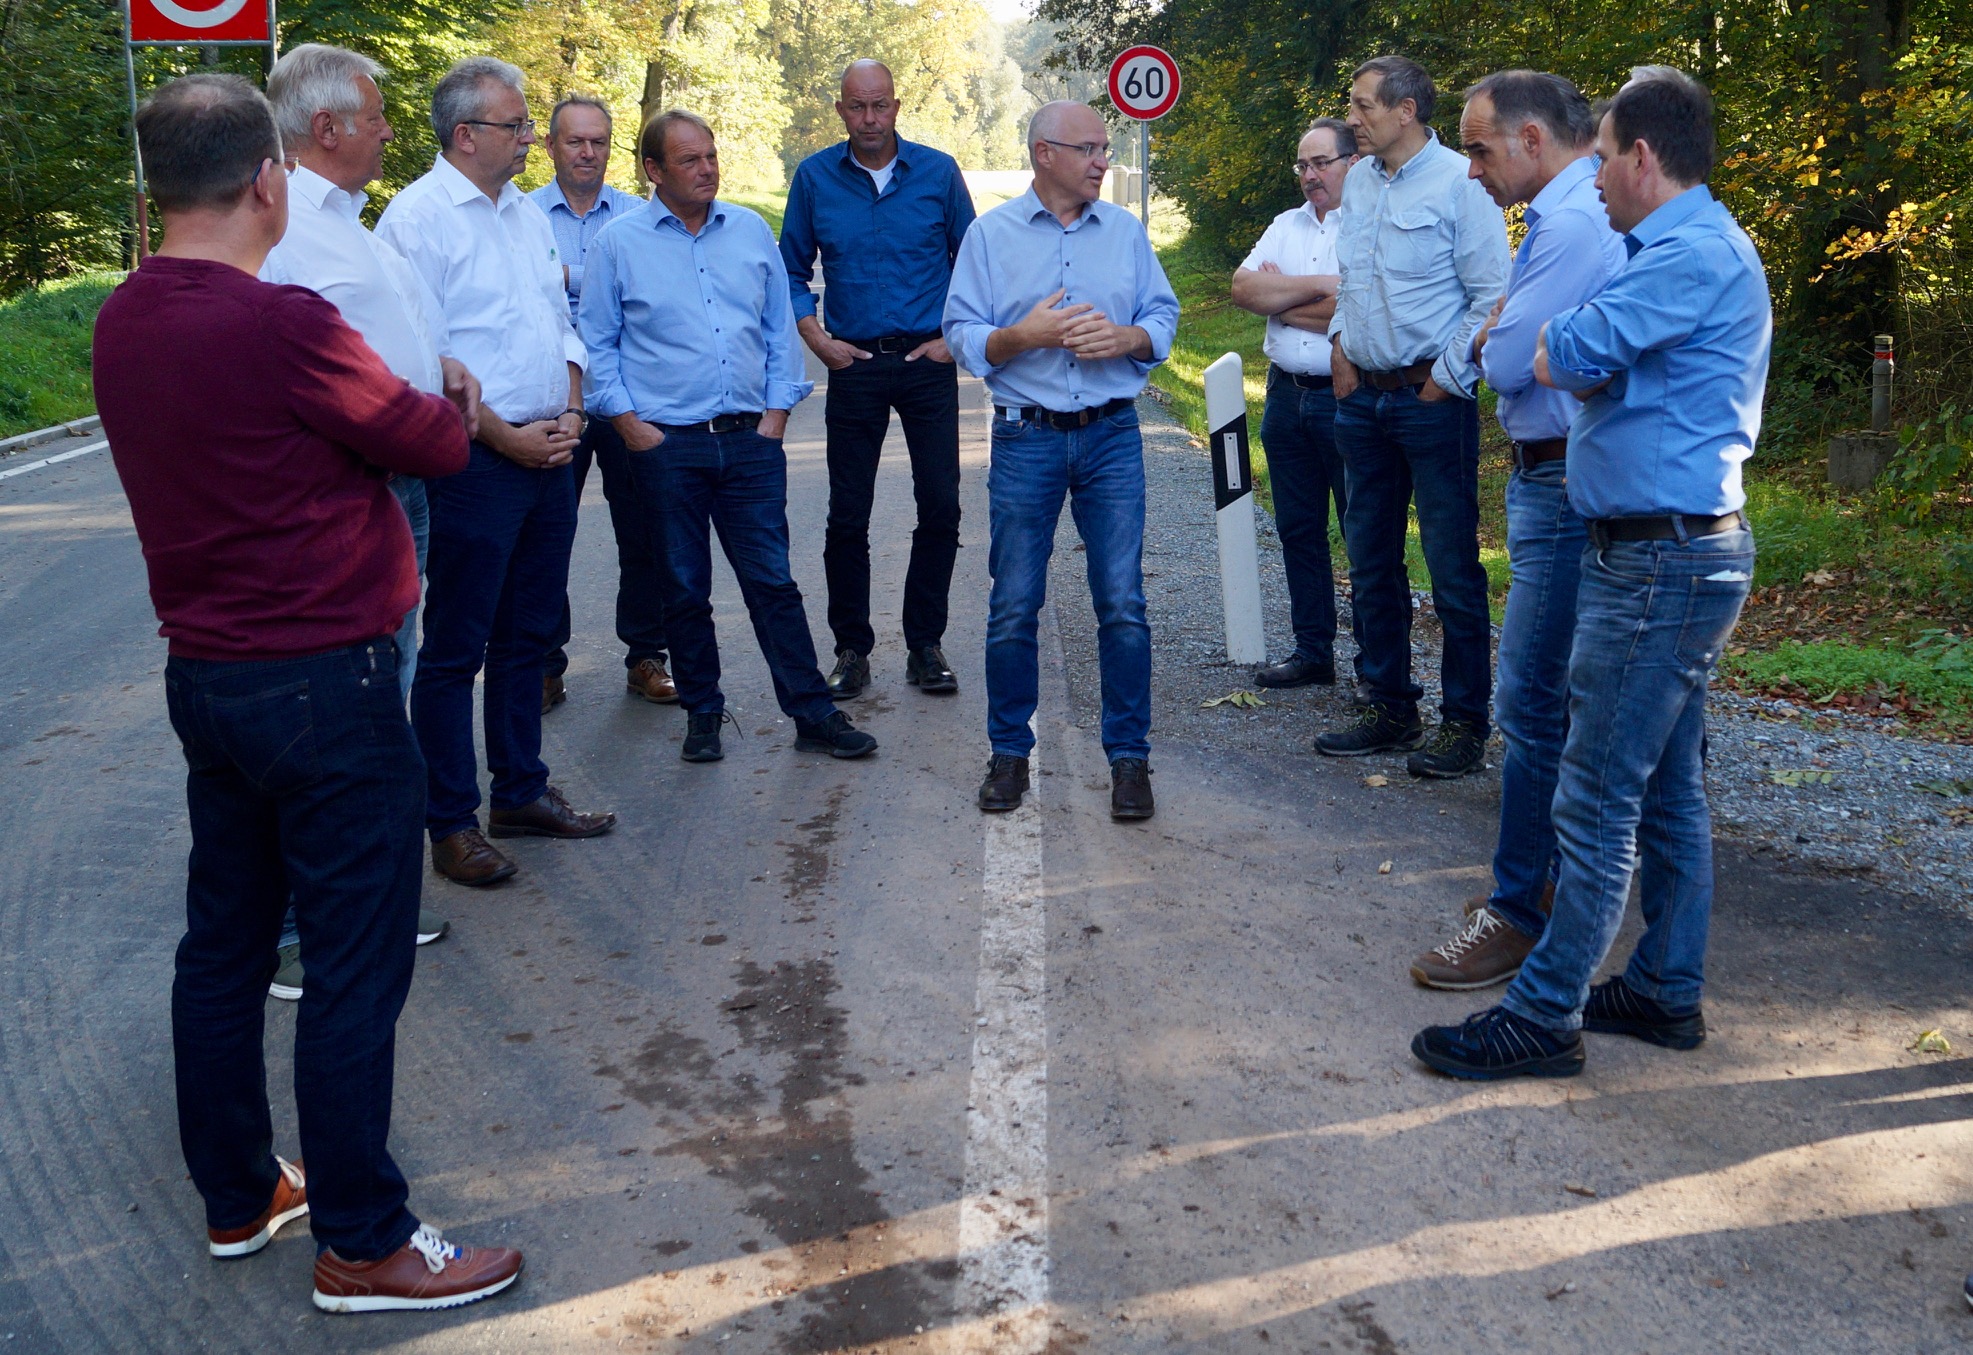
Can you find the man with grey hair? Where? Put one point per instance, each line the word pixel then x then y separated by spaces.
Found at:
pixel 1530 139
pixel 502 529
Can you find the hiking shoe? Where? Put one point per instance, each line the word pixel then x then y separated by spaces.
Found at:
pixel 835 736
pixel 850 675
pixel 702 736
pixel 290 1202
pixel 1006 782
pixel 1616 1008
pixel 927 670
pixel 287 979
pixel 1495 1044
pixel 431 926
pixel 1486 951
pixel 1130 789
pixel 1373 729
pixel 426 1272
pixel 1455 750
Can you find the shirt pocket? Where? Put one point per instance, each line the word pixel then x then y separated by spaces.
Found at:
pixel 1415 245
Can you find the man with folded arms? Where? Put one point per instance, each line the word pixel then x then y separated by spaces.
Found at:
pixel 1531 139
pixel 1058 303
pixel 253 430
pixel 1671 361
pixel 502 528
pixel 691 337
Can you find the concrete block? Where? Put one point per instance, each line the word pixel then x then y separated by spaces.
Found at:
pixel 1856 460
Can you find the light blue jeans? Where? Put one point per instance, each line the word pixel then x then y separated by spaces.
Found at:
pixel 1651 620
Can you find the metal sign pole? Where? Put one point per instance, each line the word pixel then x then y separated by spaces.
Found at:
pixel 1144 172
pixel 141 217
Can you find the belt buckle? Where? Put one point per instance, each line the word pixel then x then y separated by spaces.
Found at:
pixel 890 344
pixel 722 423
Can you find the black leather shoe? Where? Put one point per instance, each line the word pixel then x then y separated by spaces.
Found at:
pixel 835 736
pixel 1296 671
pixel 1006 782
pixel 1130 789
pixel 926 670
pixel 851 675
pixel 702 737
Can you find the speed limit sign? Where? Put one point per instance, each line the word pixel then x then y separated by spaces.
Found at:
pixel 1144 83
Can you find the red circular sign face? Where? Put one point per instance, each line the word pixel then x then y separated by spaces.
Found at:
pixel 198 21
pixel 1144 83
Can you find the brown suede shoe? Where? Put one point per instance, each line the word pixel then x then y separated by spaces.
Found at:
pixel 550 816
pixel 1546 903
pixel 1487 951
pixel 467 858
pixel 426 1272
pixel 290 1202
pixel 553 693
pixel 650 681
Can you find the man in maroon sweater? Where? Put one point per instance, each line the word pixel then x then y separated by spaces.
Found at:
pixel 255 432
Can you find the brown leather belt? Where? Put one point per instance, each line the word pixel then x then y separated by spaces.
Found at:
pixel 1414 375
pixel 1603 531
pixel 1078 418
pixel 1538 453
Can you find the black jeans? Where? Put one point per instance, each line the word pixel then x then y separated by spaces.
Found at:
pixel 925 395
pixel 303 779
pixel 642 580
pixel 1305 471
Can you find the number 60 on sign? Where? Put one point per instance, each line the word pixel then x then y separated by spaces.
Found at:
pixel 1144 83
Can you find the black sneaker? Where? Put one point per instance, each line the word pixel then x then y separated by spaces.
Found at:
pixel 850 676
pixel 1616 1008
pixel 1455 750
pixel 702 736
pixel 1373 729
pixel 1130 789
pixel 1006 782
pixel 1495 1044
pixel 927 670
pixel 835 736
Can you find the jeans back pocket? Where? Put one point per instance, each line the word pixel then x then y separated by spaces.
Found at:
pixel 268 735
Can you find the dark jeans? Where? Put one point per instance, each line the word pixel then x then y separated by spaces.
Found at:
pixel 1396 447
pixel 925 395
pixel 499 572
pixel 738 483
pixel 642 585
pixel 1305 471
pixel 303 779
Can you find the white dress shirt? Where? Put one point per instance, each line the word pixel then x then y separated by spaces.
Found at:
pixel 1299 245
pixel 497 275
pixel 328 250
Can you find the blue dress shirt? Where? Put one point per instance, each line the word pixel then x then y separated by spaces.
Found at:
pixel 888 257
pixel 684 327
pixel 1568 254
pixel 573 233
pixel 1423 257
pixel 1018 254
pixel 1683 336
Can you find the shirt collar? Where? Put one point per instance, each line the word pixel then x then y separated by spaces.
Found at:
pixel 1559 187
pixel 321 194
pixel 901 160
pixel 1320 223
pixel 1669 217
pixel 552 196
pixel 1425 152
pixel 660 214
pixel 463 190
pixel 1032 207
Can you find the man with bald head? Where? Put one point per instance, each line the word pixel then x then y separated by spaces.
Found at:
pixel 886 217
pixel 1058 303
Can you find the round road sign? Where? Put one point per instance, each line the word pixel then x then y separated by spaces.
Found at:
pixel 196 21
pixel 1144 83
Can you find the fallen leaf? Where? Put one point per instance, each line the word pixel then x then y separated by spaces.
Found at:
pixel 1245 700
pixel 1930 1042
pixel 1376 781
pixel 1801 776
pixel 1819 578
pixel 1587 1192
pixel 1948 789
pixel 1385 869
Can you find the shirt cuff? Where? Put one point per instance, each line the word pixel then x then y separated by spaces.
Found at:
pixel 1454 379
pixel 573 351
pixel 609 401
pixel 803 302
pixel 787 394
pixel 969 344
pixel 1565 366
pixel 574 287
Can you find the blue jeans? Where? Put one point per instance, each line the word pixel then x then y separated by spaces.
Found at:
pixel 302 780
pixel 1545 540
pixel 410 491
pixel 737 483
pixel 1398 447
pixel 499 570
pixel 643 583
pixel 1101 470
pixel 1304 472
pixel 1651 620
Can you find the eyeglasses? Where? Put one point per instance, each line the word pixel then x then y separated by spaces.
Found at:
pixel 1319 163
pixel 1088 150
pixel 525 127
pixel 580 143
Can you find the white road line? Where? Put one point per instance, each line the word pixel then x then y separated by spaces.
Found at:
pixel 54 460
pixel 1003 1220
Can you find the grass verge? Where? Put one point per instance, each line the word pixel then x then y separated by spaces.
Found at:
pixel 44 352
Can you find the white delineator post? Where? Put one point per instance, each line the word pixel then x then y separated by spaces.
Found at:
pixel 1233 497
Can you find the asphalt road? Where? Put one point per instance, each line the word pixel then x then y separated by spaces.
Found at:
pixel 809 1056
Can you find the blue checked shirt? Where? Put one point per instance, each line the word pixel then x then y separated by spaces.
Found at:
pixel 573 233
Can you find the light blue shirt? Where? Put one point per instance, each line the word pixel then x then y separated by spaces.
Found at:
pixel 684 327
pixel 1018 254
pixel 1568 254
pixel 1682 335
pixel 1423 257
pixel 573 233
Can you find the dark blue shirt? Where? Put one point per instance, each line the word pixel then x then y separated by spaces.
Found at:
pixel 888 258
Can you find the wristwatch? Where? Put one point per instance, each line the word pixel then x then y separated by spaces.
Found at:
pixel 580 414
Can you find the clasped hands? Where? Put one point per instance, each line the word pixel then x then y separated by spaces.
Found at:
pixel 1080 328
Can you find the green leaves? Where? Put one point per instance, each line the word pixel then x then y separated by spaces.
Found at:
pixel 1244 700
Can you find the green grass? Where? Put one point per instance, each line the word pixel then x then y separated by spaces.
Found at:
pixel 770 203
pixel 1932 678
pixel 44 352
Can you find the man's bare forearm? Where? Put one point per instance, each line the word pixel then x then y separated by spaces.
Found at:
pixel 1272 293
pixel 1313 316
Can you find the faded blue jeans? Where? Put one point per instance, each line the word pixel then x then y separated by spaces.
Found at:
pixel 1545 540
pixel 1101 470
pixel 1651 620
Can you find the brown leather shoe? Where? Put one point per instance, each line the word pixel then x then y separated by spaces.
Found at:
pixel 290 1202
pixel 467 858
pixel 553 693
pixel 1546 903
pixel 1486 951
pixel 550 816
pixel 650 681
pixel 426 1272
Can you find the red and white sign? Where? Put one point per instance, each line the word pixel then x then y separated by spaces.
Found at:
pixel 1143 82
pixel 194 21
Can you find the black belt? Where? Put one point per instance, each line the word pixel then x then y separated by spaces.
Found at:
pixel 1080 418
pixel 1539 452
pixel 1306 381
pixel 890 343
pixel 1417 374
pixel 719 423
pixel 1603 531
